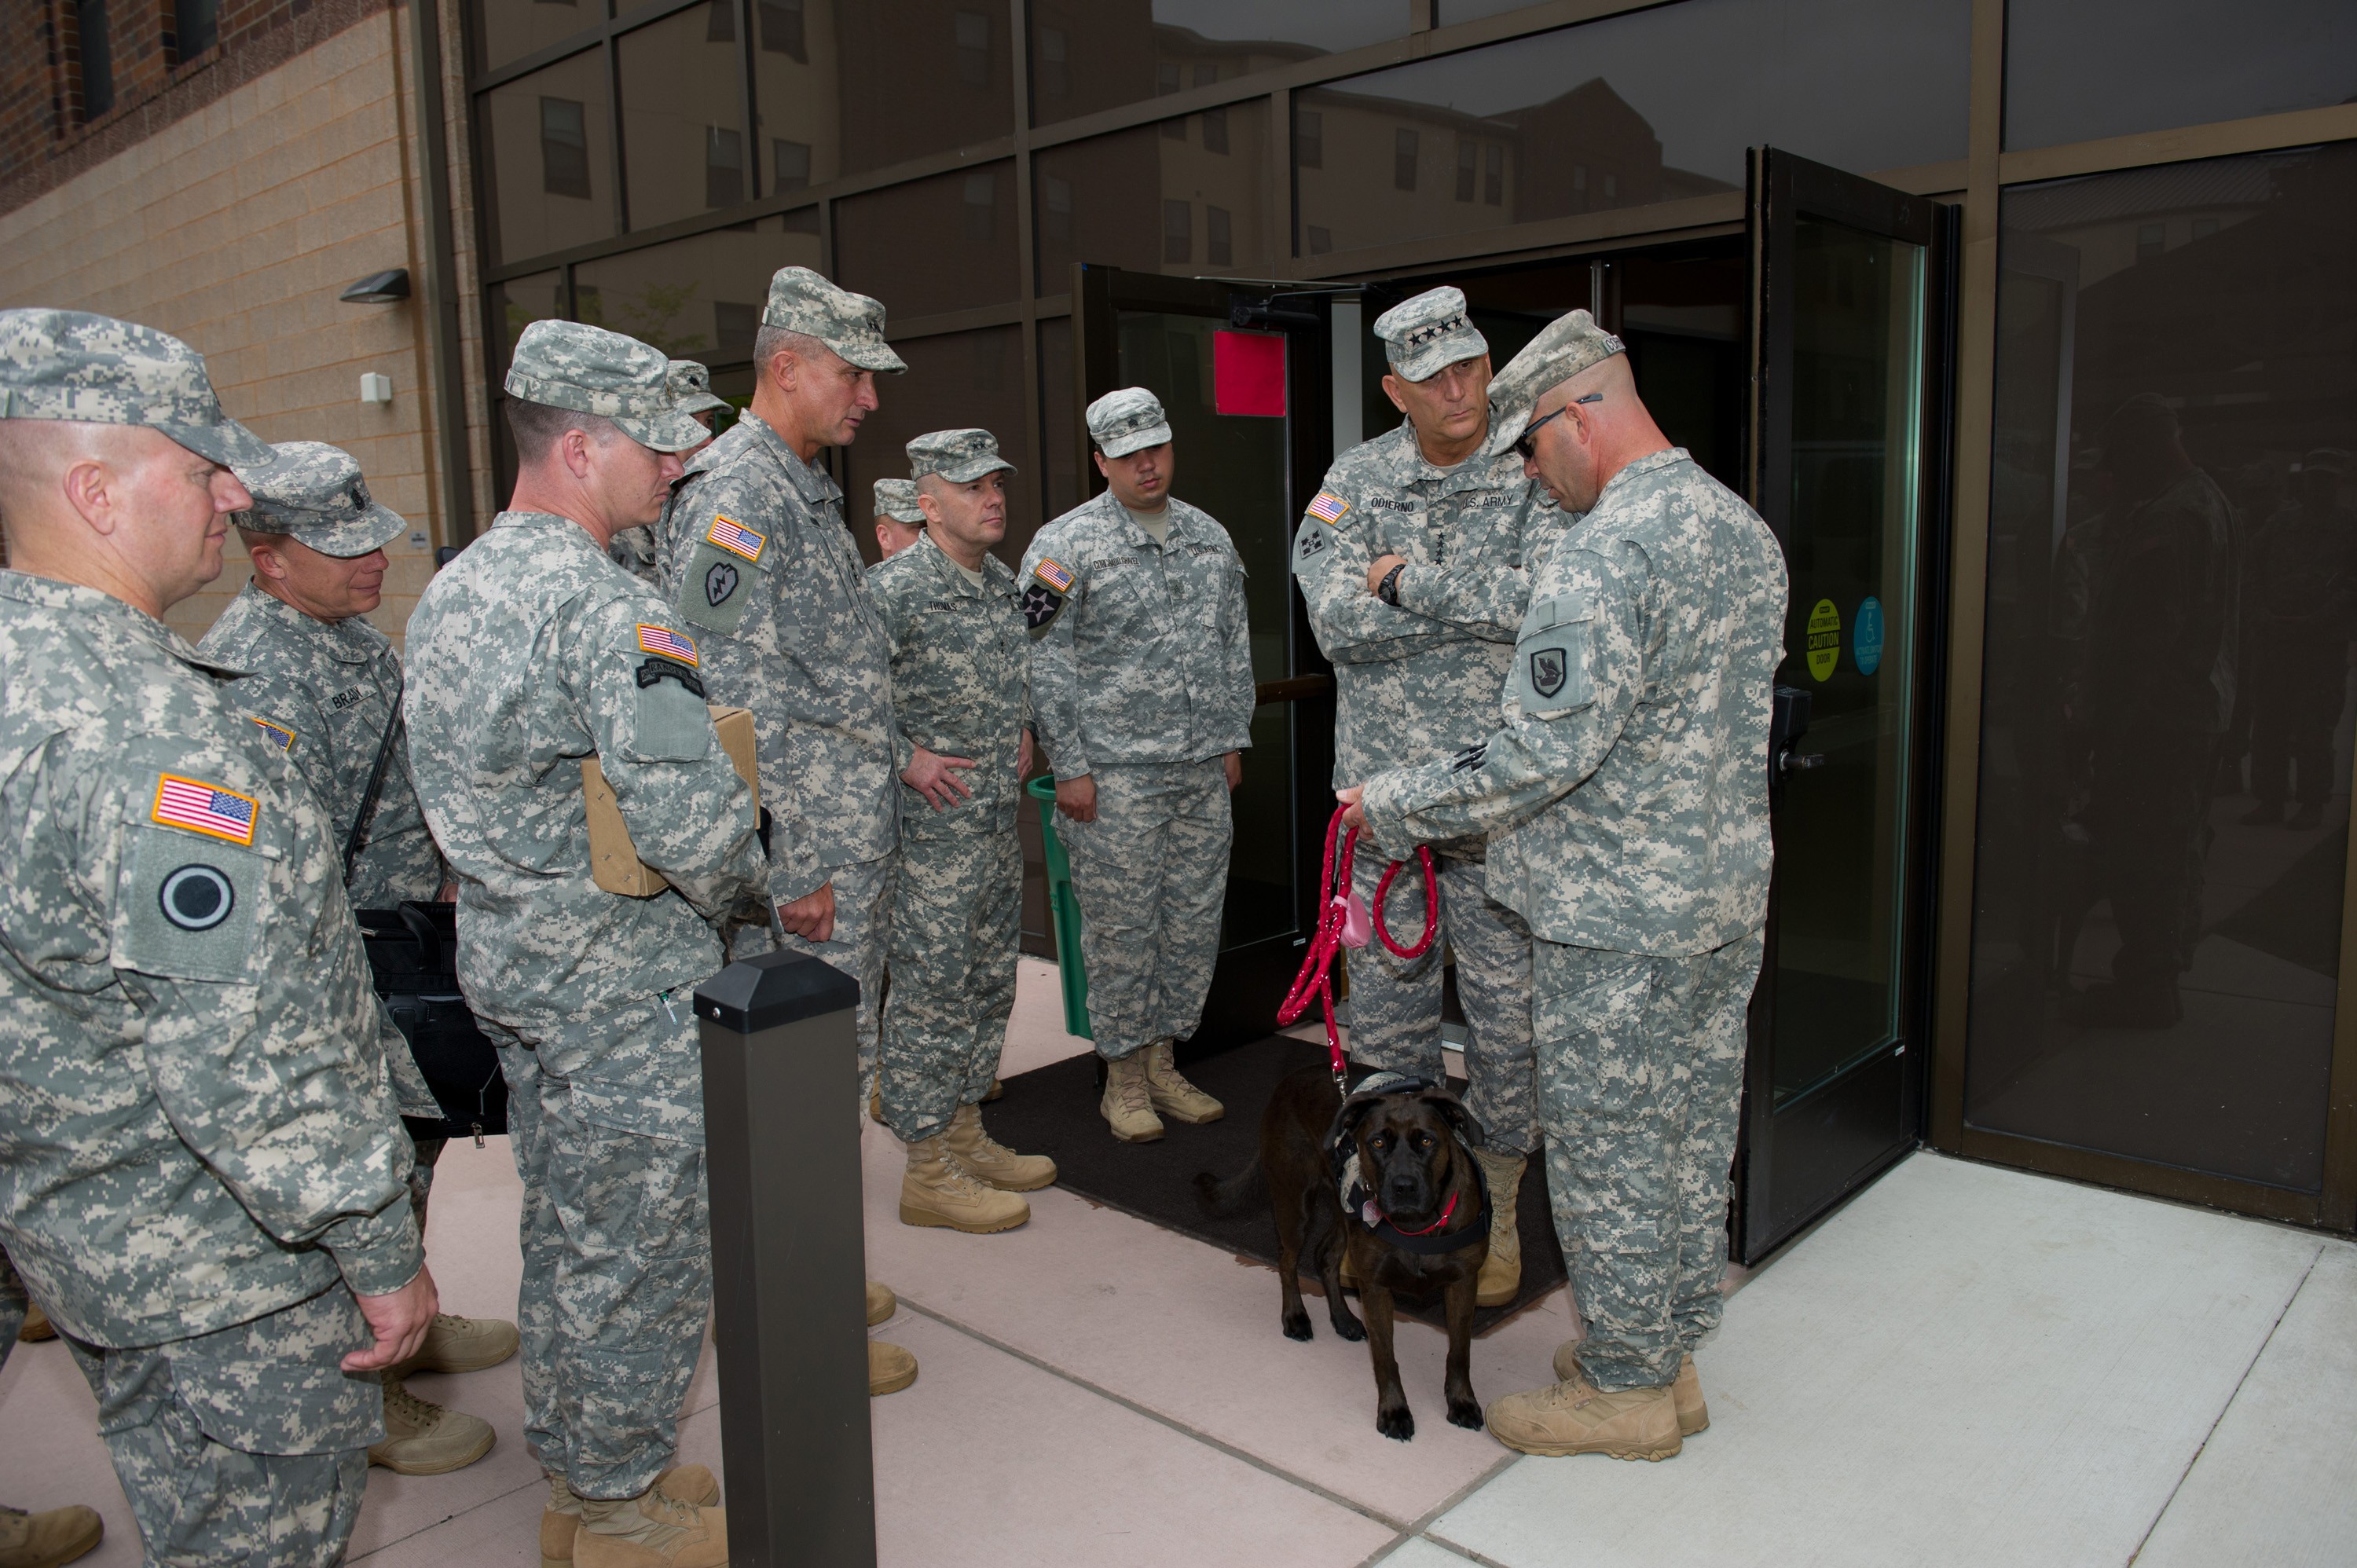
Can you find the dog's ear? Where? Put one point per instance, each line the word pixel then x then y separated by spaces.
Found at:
pixel 1344 1132
pixel 1463 1122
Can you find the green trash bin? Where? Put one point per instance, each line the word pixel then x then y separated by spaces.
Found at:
pixel 1063 912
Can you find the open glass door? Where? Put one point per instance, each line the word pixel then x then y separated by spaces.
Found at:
pixel 1251 470
pixel 1848 311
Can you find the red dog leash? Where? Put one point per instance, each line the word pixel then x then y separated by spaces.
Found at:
pixel 1343 922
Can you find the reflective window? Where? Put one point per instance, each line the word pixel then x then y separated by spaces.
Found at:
pixel 2172 596
pixel 507 30
pixel 517 304
pixel 550 151
pixel 1087 54
pixel 796 98
pixel 2077 70
pixel 1452 11
pixel 1060 435
pixel 698 298
pixel 1192 203
pixel 682 136
pixel 917 77
pixel 1626 112
pixel 944 243
pixel 955 380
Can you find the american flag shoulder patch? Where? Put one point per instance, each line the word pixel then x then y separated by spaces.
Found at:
pixel 1328 508
pixel 735 537
pixel 663 641
pixel 207 809
pixel 1054 573
pixel 278 735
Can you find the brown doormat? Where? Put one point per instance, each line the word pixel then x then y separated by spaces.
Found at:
pixel 1052 1111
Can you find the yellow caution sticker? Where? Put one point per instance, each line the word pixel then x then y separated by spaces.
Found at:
pixel 1824 639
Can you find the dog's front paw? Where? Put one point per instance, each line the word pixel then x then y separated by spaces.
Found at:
pixel 1296 1326
pixel 1350 1328
pixel 1465 1413
pixel 1398 1424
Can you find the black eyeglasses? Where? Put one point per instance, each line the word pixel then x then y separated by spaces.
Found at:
pixel 1527 445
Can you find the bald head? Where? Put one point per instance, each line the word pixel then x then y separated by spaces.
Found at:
pixel 1585 430
pixel 120 507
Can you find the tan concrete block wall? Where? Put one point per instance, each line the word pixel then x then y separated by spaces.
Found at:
pixel 235 229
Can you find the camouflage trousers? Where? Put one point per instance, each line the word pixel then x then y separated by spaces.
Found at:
pixel 1641 1076
pixel 863 920
pixel 247 1446
pixel 1396 1001
pixel 1150 872
pixel 617 1245
pixel 957 923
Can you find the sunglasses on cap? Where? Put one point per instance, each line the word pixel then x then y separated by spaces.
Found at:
pixel 1527 443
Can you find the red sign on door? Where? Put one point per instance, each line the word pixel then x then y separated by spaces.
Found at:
pixel 1248 373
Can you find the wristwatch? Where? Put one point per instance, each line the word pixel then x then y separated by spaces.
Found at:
pixel 1388 589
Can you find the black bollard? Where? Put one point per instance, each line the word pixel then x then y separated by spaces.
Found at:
pixel 789 1262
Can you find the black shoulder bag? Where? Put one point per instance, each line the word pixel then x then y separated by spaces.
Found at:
pixel 412 951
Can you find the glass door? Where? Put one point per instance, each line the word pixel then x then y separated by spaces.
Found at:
pixel 1848 300
pixel 1249 456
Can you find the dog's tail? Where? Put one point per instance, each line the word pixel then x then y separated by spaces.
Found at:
pixel 1221 1199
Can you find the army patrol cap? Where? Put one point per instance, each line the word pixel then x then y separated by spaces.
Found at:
pixel 313 493
pixel 897 498
pixel 691 388
pixel 957 455
pixel 1425 335
pixel 1564 347
pixel 2325 460
pixel 1127 421
pixel 94 369
pixel 571 364
pixel 850 324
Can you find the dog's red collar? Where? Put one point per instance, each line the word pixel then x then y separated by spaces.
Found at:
pixel 1446 1210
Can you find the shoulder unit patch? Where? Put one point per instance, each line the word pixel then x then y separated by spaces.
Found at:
pixel 735 538
pixel 203 807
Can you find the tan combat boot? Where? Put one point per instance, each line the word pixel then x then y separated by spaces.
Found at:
pixel 1173 1095
pixel 420 1438
pixel 881 1302
pixel 653 1530
pixel 936 1190
pixel 456 1344
pixel 1128 1104
pixel 560 1522
pixel 35 1327
pixel 890 1368
pixel 997 1087
pixel 987 1160
pixel 1694 1415
pixel 1502 1271
pixel 1576 1417
pixel 47 1538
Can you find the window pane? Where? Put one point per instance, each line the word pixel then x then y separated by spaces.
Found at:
pixel 944 243
pixel 196 26
pixel 955 380
pixel 917 77
pixel 1060 417
pixel 97 45
pixel 1133 200
pixel 550 151
pixel 517 304
pixel 1629 111
pixel 695 299
pixel 795 93
pixel 682 141
pixel 507 30
pixel 2166 726
pixel 2076 70
pixel 1087 54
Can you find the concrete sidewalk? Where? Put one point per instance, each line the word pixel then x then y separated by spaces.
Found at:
pixel 1966 1366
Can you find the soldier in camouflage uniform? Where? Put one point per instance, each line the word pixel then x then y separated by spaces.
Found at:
pixel 633 549
pixel 203 1173
pixel 1626 801
pixel 1414 564
pixel 326 689
pixel 530 653
pixel 756 559
pixel 1142 693
pixel 899 521
pixel 959 659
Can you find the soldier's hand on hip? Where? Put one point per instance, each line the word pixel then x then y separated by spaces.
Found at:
pixel 1233 762
pixel 1077 798
pixel 399 1320
pixel 811 916
pixel 934 777
pixel 1023 753
pixel 1355 815
pixel 1380 568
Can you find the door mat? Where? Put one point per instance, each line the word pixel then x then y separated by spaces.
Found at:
pixel 1052 1111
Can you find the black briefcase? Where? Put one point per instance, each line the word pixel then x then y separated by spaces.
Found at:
pixel 414 951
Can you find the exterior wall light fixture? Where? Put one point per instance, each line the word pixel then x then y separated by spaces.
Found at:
pixel 379 288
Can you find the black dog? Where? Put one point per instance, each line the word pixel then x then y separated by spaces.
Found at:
pixel 1420 1223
